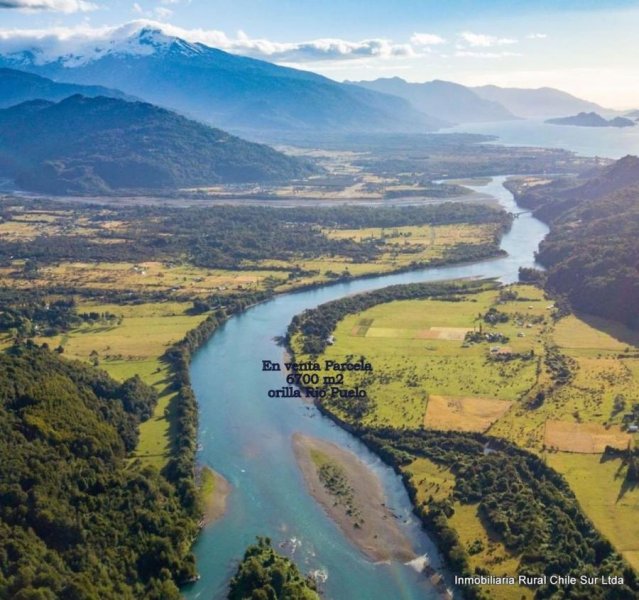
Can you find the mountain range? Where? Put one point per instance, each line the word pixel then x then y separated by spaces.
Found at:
pixel 229 91
pixel 246 95
pixel 100 145
pixel 538 103
pixel 462 104
pixel 447 100
pixel 76 125
pixel 18 86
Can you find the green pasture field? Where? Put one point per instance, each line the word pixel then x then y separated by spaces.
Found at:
pixel 428 242
pixel 609 503
pixel 409 364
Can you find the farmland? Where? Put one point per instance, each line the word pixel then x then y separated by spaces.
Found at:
pixel 425 373
pixel 417 350
pixel 185 254
pixel 506 363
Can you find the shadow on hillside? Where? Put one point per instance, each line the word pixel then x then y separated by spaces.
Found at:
pixel 620 332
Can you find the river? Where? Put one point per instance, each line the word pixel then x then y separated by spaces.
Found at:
pixel 246 437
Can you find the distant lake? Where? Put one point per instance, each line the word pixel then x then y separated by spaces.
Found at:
pixel 608 142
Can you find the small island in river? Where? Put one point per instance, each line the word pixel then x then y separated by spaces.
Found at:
pixel 353 497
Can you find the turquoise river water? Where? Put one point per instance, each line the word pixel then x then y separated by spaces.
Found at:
pixel 246 436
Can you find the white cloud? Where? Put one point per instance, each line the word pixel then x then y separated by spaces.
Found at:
pixel 481 40
pixel 536 36
pixel 322 49
pixel 55 42
pixel 426 39
pixel 65 6
pixel 137 9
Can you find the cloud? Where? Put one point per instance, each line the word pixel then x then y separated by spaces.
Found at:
pixel 475 54
pixel 481 40
pixel 318 50
pixel 536 36
pixel 65 6
pixel 309 51
pixel 55 42
pixel 426 39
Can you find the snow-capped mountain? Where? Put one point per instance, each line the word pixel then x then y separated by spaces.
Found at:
pixel 230 91
pixel 138 38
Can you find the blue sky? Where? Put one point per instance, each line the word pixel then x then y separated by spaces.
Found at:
pixel 585 47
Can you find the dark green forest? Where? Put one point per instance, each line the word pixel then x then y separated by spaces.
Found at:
pixel 263 574
pixel 120 145
pixel 592 251
pixel 78 519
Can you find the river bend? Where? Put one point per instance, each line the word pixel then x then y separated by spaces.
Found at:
pixel 246 437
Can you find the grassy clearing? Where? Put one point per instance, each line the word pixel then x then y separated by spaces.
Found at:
pixel 575 335
pixel 416 351
pixel 463 414
pixel 28 225
pixel 599 487
pixel 587 438
pixel 402 245
pixel 135 346
pixel 486 551
pixel 430 479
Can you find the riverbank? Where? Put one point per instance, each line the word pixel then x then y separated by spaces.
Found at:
pixel 214 491
pixel 353 497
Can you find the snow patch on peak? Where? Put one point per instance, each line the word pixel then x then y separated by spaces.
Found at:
pixel 78 47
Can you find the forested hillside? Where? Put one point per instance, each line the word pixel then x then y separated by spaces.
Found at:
pixel 77 520
pixel 118 145
pixel 592 250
